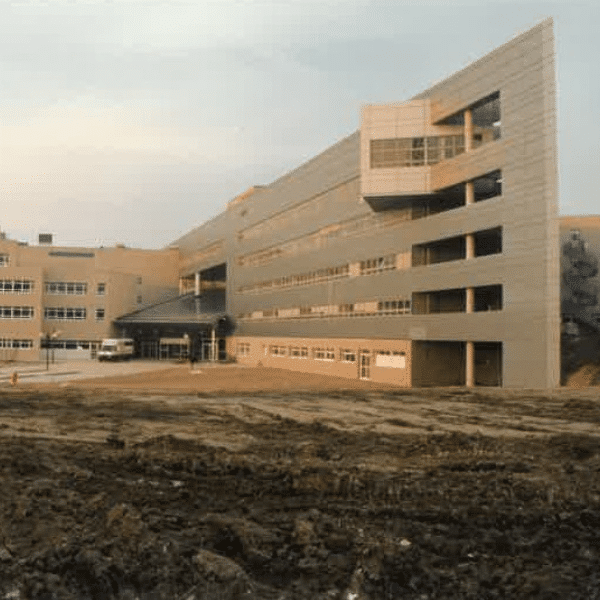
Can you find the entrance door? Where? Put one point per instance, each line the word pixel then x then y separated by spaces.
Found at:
pixel 364 364
pixel 149 349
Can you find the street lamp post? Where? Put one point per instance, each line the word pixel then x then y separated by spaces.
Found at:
pixel 48 338
pixel 47 351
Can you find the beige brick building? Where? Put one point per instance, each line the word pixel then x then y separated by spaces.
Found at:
pixel 73 295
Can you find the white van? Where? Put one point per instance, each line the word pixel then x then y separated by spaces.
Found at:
pixel 116 349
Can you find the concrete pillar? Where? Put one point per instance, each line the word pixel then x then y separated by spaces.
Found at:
pixel 197 283
pixel 468 130
pixel 470 300
pixel 469 364
pixel 469 246
pixel 469 193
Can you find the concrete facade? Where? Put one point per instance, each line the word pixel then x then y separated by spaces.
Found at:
pixel 433 228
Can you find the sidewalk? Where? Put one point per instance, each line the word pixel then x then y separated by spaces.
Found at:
pixel 77 369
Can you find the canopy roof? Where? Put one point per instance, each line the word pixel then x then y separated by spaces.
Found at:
pixel 181 310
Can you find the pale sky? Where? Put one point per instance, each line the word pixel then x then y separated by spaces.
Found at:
pixel 132 122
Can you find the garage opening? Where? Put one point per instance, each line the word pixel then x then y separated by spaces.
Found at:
pixel 488 363
pixel 438 363
pixel 443 363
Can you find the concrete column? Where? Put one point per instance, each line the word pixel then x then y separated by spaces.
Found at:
pixel 470 364
pixel 468 130
pixel 469 193
pixel 470 246
pixel 470 300
pixel 197 283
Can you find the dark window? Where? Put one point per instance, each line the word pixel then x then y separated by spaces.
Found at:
pixel 488 241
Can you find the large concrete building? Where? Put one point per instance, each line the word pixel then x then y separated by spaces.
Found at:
pixel 422 249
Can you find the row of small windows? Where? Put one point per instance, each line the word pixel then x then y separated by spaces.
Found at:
pixel 485 187
pixel 50 313
pixel 484 298
pixel 65 314
pixel 16 312
pixel 72 288
pixel 60 344
pixel 57 288
pixel 343 193
pixel 485 243
pixel 16 286
pixel 416 152
pixel 71 314
pixel 56 344
pixel 16 344
pixel 395 306
pixel 347 355
pixel 370 266
pixel 313 277
pixel 322 238
pixel 380 264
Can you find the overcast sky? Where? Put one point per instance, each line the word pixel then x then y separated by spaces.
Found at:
pixel 131 121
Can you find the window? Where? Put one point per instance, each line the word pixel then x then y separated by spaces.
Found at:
pixel 277 350
pixel 242 349
pixel 61 344
pixel 378 265
pixel 4 259
pixel 486 120
pixel 16 286
pixel 488 241
pixel 415 152
pixel 16 312
pixel 347 355
pixel 66 288
pixel 298 352
pixel 101 289
pixel 139 299
pixel 488 297
pixel 439 301
pixel 64 314
pixel 323 353
pixel 488 186
pixel 99 314
pixel 393 307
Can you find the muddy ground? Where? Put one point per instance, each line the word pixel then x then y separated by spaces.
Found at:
pixel 322 494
